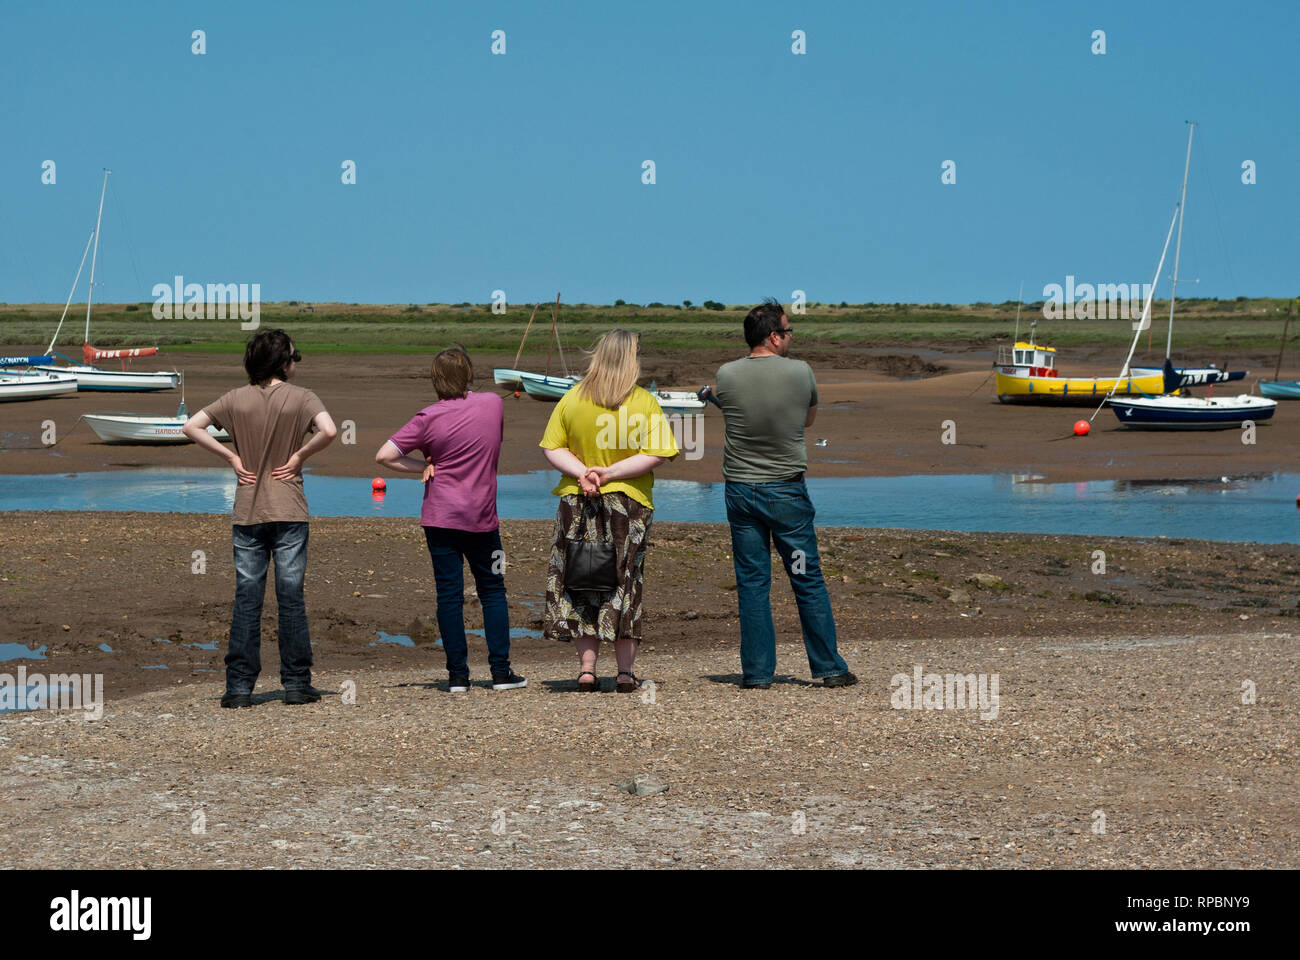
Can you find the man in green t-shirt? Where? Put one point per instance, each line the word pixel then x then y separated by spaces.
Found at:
pixel 767 400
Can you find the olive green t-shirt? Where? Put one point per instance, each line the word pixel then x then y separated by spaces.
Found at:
pixel 765 401
pixel 267 424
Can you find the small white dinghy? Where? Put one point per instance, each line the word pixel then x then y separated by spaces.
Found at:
pixel 143 428
pixel 116 427
pixel 32 384
pixel 678 401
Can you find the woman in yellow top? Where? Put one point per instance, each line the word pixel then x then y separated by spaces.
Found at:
pixel 605 436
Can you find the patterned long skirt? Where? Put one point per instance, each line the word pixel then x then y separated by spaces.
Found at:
pixel 626 524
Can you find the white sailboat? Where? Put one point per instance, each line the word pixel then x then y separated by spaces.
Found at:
pixel 541 386
pixel 89 376
pixel 1168 412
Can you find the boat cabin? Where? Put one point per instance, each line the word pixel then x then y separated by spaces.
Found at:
pixel 1030 359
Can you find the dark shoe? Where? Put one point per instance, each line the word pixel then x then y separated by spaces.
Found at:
pixel 300 695
pixel 624 686
pixel 588 686
pixel 756 685
pixel 508 681
pixel 458 683
pixel 232 700
pixel 840 680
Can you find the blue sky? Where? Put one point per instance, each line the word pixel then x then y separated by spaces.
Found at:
pixel 522 172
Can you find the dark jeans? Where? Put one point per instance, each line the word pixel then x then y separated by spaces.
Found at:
pixel 254 546
pixel 446 548
pixel 783 513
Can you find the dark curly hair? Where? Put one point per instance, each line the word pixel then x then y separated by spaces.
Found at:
pixel 267 355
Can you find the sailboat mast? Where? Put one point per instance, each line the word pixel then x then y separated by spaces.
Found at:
pixel 1285 326
pixel 90 295
pixel 1178 247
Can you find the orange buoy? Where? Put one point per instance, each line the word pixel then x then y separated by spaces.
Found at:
pixel 378 484
pixel 1081 428
pixel 516 394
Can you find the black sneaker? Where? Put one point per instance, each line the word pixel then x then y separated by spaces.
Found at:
pixel 756 685
pixel 233 700
pixel 299 695
pixel 508 681
pixel 458 683
pixel 840 680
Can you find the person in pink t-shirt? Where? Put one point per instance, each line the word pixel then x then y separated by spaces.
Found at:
pixel 459 442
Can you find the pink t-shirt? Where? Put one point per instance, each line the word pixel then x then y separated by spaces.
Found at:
pixel 463 436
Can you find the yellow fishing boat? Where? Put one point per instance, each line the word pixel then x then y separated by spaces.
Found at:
pixel 1026 373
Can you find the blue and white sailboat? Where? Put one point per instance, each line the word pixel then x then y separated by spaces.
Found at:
pixel 1169 412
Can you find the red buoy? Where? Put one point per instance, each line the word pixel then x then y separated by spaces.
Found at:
pixel 378 484
pixel 1081 428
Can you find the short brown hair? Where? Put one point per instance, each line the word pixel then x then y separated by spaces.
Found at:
pixel 452 373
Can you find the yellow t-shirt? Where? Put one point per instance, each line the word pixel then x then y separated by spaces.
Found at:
pixel 601 437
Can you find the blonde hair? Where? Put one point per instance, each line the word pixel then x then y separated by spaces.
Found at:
pixel 613 369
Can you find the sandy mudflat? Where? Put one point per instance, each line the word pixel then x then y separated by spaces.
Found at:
pixel 882 413
pixel 1119 693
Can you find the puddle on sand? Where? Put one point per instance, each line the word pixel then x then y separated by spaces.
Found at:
pixel 156 666
pixel 400 639
pixel 106 648
pixel 200 646
pixel 515 633
pixel 20 651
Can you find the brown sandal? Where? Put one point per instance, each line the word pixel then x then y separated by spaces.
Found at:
pixel 588 686
pixel 622 687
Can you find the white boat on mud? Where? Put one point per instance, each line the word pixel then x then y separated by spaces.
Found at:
pixel 678 401
pixel 33 384
pixel 90 377
pixel 144 428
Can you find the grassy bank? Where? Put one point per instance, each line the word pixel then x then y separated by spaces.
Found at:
pixel 414 328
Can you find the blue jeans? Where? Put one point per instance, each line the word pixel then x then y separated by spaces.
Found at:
pixel 486 561
pixel 783 513
pixel 254 546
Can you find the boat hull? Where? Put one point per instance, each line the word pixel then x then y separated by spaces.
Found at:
pixel 1280 389
pixel 1191 413
pixel 678 401
pixel 35 386
pixel 548 388
pixel 120 381
pixel 1068 390
pixel 127 428
pixel 515 379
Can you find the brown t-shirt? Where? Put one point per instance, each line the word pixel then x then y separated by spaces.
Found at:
pixel 267 425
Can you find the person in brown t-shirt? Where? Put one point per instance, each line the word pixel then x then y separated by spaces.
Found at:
pixel 275 426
